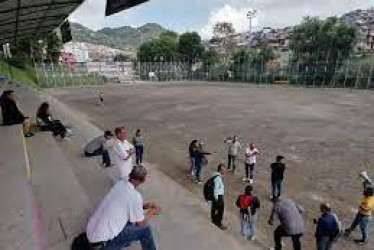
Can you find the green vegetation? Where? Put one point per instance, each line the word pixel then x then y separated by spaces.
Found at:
pixel 25 74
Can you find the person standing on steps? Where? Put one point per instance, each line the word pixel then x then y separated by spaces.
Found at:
pixel 233 148
pixel 122 153
pixel 250 162
pixel 98 146
pixel 122 218
pixel 248 205
pixel 277 173
pixel 218 205
pixel 137 141
pixel 291 222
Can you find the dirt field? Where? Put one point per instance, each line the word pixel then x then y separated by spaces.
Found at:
pixel 327 137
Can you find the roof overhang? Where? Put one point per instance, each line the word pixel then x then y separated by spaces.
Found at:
pixel 32 19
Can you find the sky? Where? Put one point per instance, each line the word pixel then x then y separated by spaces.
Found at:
pixel 201 15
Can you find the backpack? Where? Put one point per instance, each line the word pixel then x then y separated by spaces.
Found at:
pixel 209 189
pixel 338 231
pixel 244 201
pixel 81 242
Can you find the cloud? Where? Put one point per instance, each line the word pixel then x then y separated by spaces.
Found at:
pixel 90 13
pixel 227 13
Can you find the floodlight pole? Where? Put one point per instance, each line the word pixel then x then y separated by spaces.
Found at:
pixel 250 15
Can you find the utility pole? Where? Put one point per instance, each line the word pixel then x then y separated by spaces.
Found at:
pixel 250 15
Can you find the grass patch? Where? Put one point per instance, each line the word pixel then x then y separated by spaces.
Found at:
pixel 25 75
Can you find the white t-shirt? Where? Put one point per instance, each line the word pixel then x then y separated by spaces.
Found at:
pixel 251 156
pixel 118 153
pixel 121 205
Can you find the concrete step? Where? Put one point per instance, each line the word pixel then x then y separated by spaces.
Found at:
pixel 64 206
pixel 15 207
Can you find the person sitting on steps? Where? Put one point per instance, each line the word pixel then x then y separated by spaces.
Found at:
pixel 11 113
pixel 122 217
pixel 47 123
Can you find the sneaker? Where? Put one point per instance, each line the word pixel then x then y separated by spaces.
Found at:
pixel 360 242
pixel 199 182
pixel 251 238
pixel 222 227
pixel 27 135
pixel 245 179
pixel 250 181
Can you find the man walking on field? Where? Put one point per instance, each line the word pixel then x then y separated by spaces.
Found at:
pixel 250 162
pixel 233 149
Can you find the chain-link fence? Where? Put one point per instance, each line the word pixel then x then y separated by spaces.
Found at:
pixel 356 71
pixel 88 73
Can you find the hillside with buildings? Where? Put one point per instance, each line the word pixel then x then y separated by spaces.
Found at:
pixel 279 39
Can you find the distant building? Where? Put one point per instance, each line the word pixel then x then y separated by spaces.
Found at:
pixel 79 50
pixel 68 59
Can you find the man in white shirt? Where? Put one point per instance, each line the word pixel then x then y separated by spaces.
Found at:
pixel 233 148
pixel 218 205
pixel 250 162
pixel 120 219
pixel 121 153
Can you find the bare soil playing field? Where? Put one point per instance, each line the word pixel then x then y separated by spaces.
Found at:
pixel 326 135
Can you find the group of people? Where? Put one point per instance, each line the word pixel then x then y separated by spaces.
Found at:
pixel 12 115
pixel 289 213
pixel 121 217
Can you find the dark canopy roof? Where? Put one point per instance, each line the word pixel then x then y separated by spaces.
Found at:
pixel 32 19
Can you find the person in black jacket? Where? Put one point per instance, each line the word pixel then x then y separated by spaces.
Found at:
pixel 277 172
pixel 11 113
pixel 49 123
pixel 327 228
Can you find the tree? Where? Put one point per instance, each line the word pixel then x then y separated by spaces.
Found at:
pixel 210 58
pixel 54 46
pixel 223 30
pixel 321 46
pixel 190 47
pixel 223 33
pixel 163 49
pixel 316 39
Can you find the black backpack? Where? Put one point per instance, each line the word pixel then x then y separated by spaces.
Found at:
pixel 209 189
pixel 81 243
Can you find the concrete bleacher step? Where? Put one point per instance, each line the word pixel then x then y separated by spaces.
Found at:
pixel 15 213
pixel 63 204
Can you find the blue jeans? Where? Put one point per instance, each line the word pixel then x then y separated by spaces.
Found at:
pixel 231 160
pixel 130 234
pixel 324 243
pixel 276 187
pixel 247 226
pixel 192 162
pixel 198 167
pixel 364 222
pixel 139 154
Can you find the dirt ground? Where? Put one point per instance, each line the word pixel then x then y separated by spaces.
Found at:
pixel 326 135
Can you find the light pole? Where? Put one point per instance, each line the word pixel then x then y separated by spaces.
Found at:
pixel 250 15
